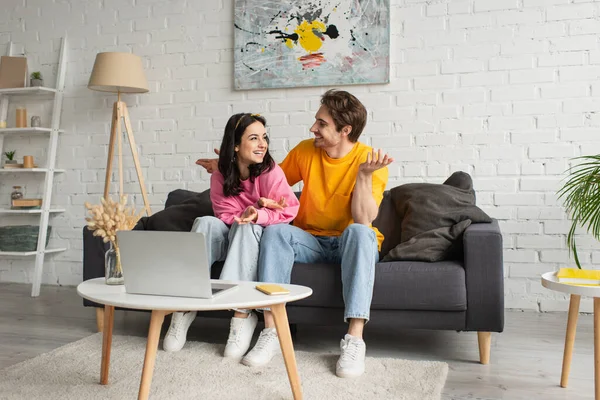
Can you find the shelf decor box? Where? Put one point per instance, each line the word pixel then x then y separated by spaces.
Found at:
pixel 13 72
pixel 21 237
pixel 26 204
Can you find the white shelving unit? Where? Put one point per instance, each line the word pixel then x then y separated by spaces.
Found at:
pixel 27 130
pixel 36 211
pixel 23 170
pixel 56 95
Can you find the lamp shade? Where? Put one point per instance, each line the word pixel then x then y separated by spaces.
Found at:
pixel 118 72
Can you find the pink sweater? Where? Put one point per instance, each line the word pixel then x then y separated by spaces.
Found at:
pixel 272 185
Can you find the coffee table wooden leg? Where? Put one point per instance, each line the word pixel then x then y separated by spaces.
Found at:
pixel 100 318
pixel 287 348
pixel 156 322
pixel 109 313
pixel 570 338
pixel 597 347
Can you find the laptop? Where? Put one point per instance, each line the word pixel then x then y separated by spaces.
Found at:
pixel 167 264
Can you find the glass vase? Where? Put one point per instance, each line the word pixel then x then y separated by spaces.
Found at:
pixel 112 264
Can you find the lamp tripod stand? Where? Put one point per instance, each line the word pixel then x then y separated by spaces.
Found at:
pixel 120 112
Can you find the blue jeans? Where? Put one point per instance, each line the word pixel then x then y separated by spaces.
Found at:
pixel 356 250
pixel 236 245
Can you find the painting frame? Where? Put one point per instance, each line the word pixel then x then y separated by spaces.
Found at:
pixel 311 43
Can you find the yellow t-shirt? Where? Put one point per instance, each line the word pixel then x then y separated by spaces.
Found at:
pixel 330 182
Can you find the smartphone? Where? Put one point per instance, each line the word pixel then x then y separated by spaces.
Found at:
pixel 272 289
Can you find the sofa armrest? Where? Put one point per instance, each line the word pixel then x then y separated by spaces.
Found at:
pixel 484 274
pixel 93 258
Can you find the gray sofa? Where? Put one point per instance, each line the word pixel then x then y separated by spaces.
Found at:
pixel 465 294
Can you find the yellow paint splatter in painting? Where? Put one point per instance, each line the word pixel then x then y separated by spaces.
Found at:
pixel 289 43
pixel 262 50
pixel 307 38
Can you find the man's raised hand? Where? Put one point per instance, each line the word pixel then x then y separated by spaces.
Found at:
pixel 210 164
pixel 375 160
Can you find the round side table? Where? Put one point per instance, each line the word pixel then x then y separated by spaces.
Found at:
pixel 550 281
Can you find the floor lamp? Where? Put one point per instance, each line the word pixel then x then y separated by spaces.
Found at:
pixel 120 73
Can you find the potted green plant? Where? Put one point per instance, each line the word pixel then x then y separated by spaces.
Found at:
pixel 36 79
pixel 10 157
pixel 581 194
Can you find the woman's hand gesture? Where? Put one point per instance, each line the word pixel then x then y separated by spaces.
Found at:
pixel 249 215
pixel 272 204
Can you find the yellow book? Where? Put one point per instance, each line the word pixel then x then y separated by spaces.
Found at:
pixel 579 276
pixel 272 289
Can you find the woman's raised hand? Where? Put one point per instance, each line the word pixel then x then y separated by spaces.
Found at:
pixel 272 204
pixel 249 215
pixel 209 164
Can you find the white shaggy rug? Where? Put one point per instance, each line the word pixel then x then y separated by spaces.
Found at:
pixel 200 372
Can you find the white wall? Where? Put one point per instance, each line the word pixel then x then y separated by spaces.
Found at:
pixel 506 90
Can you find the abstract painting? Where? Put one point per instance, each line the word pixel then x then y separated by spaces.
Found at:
pixel 292 43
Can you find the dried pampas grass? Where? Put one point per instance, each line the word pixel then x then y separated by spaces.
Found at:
pixel 109 217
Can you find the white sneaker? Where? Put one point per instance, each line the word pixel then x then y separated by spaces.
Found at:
pixel 240 336
pixel 266 347
pixel 352 361
pixel 176 335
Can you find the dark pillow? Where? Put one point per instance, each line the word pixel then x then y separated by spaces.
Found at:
pixel 433 218
pixel 181 211
pixel 179 196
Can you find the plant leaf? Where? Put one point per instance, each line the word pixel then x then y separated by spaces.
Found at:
pixel 581 194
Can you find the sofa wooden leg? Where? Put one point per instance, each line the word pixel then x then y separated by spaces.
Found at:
pixel 100 318
pixel 485 343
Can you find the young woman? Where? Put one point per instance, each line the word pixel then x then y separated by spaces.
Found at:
pixel 248 192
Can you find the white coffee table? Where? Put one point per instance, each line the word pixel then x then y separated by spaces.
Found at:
pixel 550 281
pixel 244 297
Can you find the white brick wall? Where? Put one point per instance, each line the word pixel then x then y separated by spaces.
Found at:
pixel 506 90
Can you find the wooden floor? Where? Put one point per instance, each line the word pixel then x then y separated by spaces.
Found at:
pixel 525 359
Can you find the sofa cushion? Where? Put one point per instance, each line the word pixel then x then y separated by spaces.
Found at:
pixel 182 209
pixel 181 196
pixel 417 285
pixel 433 218
pixel 400 285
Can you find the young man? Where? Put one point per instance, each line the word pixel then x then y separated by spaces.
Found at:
pixel 344 183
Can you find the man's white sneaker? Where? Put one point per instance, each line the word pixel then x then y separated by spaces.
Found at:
pixel 240 336
pixel 176 335
pixel 266 347
pixel 352 361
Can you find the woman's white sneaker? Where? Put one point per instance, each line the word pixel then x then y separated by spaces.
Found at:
pixel 176 335
pixel 351 363
pixel 240 336
pixel 267 346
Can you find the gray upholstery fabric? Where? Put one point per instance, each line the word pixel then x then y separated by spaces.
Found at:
pixel 398 286
pixel 388 320
pixel 483 264
pixel 407 294
pixel 415 285
pixel 432 217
